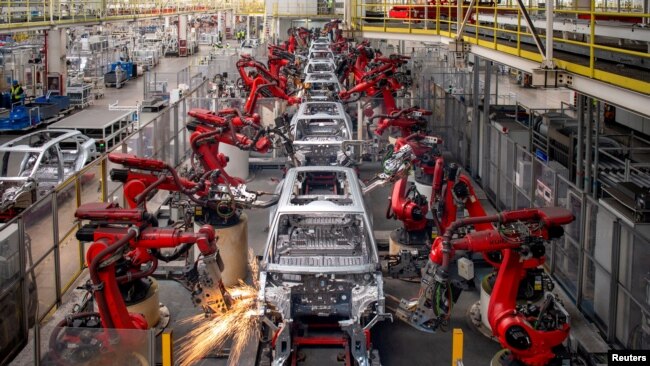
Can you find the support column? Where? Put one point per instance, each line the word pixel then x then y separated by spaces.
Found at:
pixel 588 150
pixel 581 124
pixel 57 39
pixel 182 35
pixel 594 180
pixel 248 27
pixel 548 60
pixel 487 86
pixel 221 26
pixel 476 116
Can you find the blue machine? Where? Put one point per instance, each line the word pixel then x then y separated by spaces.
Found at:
pixel 22 117
pixel 128 67
pixel 19 118
pixel 62 101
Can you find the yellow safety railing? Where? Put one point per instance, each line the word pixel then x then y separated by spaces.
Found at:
pixel 504 29
pixel 300 9
pixel 24 14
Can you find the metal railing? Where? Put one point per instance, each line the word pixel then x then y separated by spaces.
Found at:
pixel 44 256
pixel 44 13
pixel 504 29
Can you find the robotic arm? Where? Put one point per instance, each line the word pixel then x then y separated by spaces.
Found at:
pixel 248 62
pixel 521 235
pixel 260 86
pixel 396 167
pixel 408 120
pixel 224 117
pixel 223 195
pixel 117 234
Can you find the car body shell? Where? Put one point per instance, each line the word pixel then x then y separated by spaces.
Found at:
pixel 34 164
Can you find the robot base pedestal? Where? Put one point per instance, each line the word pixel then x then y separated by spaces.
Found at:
pixel 397 243
pixel 155 314
pixel 233 248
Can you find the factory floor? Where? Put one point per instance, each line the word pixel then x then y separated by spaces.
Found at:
pixel 397 343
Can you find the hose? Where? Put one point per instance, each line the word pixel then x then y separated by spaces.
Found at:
pixel 171 257
pixel 143 195
pixel 142 274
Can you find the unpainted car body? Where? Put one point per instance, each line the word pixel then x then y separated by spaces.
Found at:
pixel 319 54
pixel 35 164
pixel 321 260
pixel 320 66
pixel 321 86
pixel 319 131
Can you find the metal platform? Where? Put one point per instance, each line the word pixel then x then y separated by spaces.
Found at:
pixel 101 124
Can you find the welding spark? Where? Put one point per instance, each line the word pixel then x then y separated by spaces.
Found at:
pixel 240 323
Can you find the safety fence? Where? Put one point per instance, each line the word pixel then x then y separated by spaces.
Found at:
pixel 40 257
pixel 602 259
pixel 161 84
pixel 601 262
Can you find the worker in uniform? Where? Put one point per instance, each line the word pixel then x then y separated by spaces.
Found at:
pixel 17 92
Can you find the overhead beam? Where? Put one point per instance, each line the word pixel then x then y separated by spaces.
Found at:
pixel 459 32
pixel 531 27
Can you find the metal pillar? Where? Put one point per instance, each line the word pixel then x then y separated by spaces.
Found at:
pixel 461 25
pixel 57 39
pixel 474 147
pixel 248 27
pixel 182 35
pixel 548 57
pixel 581 127
pixel 221 25
pixel 588 147
pixel 486 97
pixel 531 27
pixel 594 180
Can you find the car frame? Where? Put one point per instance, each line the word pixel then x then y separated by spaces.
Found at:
pixel 34 164
pixel 321 86
pixel 319 131
pixel 335 273
pixel 316 66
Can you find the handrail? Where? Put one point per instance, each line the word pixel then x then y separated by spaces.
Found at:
pixel 412 21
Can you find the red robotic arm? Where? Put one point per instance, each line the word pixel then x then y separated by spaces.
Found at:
pixel 532 345
pixel 291 46
pixel 520 235
pixel 112 229
pixel 224 117
pixel 408 206
pixel 247 61
pixel 262 86
pixel 408 120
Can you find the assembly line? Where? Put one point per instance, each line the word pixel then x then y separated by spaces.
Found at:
pixel 230 189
